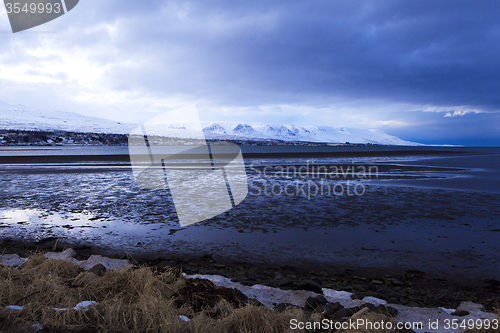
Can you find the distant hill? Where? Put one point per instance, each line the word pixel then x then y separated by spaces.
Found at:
pixel 241 131
pixel 19 117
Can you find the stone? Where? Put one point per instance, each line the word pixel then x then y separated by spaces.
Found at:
pixel 313 302
pixel 164 264
pixel 310 286
pixel 319 309
pixel 116 264
pixel 98 270
pixel 12 260
pixel 207 256
pixel 66 255
pixel 358 287
pixel 371 307
pixel 344 313
pixel 240 296
pixel 286 282
pixel 331 308
pixel 282 307
pixel 460 313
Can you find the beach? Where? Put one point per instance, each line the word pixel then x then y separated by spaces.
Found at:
pixel 431 209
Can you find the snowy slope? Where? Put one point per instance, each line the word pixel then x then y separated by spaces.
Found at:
pixel 19 117
pixel 227 130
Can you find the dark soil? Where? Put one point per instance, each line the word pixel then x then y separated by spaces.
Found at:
pixel 410 287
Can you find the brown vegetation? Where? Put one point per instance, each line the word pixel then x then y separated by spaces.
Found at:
pixel 134 300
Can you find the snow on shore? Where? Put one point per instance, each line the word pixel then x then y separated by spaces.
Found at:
pixel 270 296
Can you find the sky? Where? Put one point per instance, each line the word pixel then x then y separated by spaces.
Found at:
pixel 425 71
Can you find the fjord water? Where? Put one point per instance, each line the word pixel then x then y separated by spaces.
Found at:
pixel 433 212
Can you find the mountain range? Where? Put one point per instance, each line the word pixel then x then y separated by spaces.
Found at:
pixel 242 131
pixel 18 117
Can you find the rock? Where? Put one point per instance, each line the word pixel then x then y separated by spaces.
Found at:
pixel 319 309
pixel 36 327
pixel 471 307
pixel 116 264
pixel 12 260
pixel 492 283
pixel 164 264
pixel 345 313
pixel 66 255
pixel 309 285
pixel 98 270
pixel 15 307
pixel 46 240
pixel 315 279
pixel 321 299
pixel 460 313
pixel 358 287
pixel 84 305
pixel 286 282
pixel 240 296
pixel 371 307
pixel 429 299
pixel 184 318
pixel 313 302
pixel 331 308
pixel 282 307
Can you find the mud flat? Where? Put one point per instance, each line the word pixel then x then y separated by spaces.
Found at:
pixel 427 227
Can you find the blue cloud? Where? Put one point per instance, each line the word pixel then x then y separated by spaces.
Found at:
pixel 318 54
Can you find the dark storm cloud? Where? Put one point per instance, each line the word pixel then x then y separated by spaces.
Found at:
pixel 439 55
pixel 423 52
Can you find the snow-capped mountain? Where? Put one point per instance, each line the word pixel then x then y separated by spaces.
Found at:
pixel 242 131
pixel 18 117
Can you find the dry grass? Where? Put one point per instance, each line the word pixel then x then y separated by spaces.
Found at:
pixel 134 300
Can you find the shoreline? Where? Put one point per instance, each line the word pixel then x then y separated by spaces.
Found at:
pixel 397 220
pixel 404 287
pixel 42 159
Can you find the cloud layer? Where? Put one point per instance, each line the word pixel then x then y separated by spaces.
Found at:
pixel 421 67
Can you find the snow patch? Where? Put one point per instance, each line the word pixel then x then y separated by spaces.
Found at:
pixel 12 260
pixel 67 255
pixel 271 296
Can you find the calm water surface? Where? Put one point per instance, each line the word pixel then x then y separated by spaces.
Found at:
pixel 428 212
